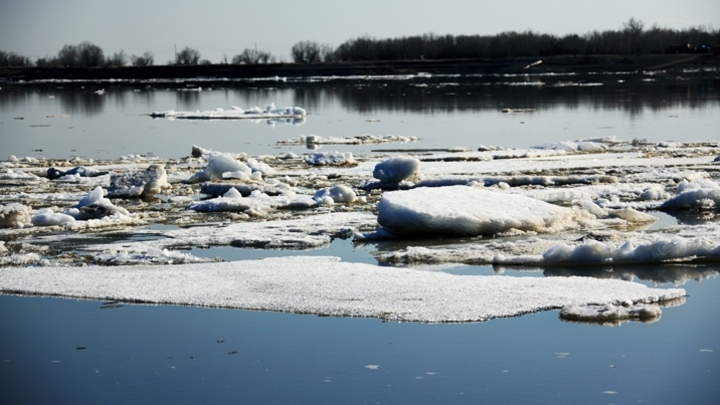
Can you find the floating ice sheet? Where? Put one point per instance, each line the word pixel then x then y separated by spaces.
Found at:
pixel 270 111
pixel 327 286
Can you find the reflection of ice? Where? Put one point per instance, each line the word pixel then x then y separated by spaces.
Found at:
pixel 675 274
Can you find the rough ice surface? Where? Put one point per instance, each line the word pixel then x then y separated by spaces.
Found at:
pixel 468 211
pixel 20 175
pixel 330 159
pixel 151 256
pixel 257 203
pixel 137 184
pixel 327 286
pixel 662 248
pixel 611 314
pixel 278 202
pixel 14 215
pixel 270 111
pixel 351 140
pixel 699 194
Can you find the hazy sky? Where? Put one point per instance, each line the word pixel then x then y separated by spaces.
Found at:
pixel 37 28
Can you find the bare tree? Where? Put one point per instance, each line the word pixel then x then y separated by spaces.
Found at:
pixel 253 57
pixel 147 59
pixel 633 26
pixel 187 56
pixel 13 59
pixel 306 52
pixel 117 59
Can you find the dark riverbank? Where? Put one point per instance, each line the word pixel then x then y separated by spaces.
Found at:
pixel 558 64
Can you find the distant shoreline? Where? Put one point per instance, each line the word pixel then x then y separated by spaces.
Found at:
pixel 581 64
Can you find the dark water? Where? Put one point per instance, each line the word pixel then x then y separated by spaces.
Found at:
pixel 64 120
pixel 83 352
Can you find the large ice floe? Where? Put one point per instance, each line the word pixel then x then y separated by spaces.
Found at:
pixel 469 211
pixel 129 229
pixel 235 113
pixel 327 286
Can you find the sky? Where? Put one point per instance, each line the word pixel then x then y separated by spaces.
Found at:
pixel 38 28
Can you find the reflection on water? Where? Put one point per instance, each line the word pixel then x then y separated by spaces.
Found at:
pixel 441 112
pixel 657 274
pixel 425 96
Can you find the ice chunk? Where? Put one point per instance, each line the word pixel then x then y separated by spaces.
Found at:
pixel 137 184
pixel 14 216
pixel 330 159
pixel 698 194
pixel 611 314
pixel 219 163
pixel 50 218
pixel 631 215
pixel 270 111
pixel 469 211
pixel 658 250
pixel 396 169
pixel 337 195
pixel 95 206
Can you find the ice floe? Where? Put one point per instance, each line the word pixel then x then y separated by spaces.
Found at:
pixel 542 208
pixel 270 111
pixel 468 211
pixel 349 140
pixel 330 159
pixel 327 286
pixel 611 314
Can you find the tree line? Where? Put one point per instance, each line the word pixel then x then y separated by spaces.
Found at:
pixel 632 39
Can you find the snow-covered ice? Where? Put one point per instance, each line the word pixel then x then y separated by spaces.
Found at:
pixel 149 182
pixel 14 216
pixel 330 287
pixel 397 169
pixel 330 159
pixel 270 111
pixel 469 211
